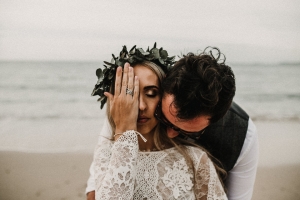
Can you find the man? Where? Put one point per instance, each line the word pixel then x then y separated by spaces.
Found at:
pixel 197 105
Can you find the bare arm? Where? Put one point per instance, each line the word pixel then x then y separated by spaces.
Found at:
pixel 90 195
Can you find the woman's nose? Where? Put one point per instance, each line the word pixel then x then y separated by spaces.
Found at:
pixel 142 104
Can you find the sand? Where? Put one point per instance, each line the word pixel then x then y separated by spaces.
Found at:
pixel 63 175
pixel 59 176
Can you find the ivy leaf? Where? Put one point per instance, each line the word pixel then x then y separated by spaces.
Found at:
pixel 97 91
pixel 101 98
pixel 146 53
pixel 99 73
pixel 161 61
pixel 137 58
pixel 132 50
pixel 122 55
pixel 163 54
pixel 139 52
pixel 155 53
pixel 103 102
pixel 110 64
pixel 130 59
pixel 171 58
pixel 112 61
pixel 111 75
pixel 119 63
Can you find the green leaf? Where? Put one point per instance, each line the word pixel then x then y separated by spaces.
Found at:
pixel 171 58
pixel 155 53
pixel 120 63
pixel 137 58
pixel 99 80
pixel 130 60
pixel 124 49
pixel 122 55
pixel 140 51
pixel 150 56
pixel 161 61
pixel 97 91
pixel 146 53
pixel 112 61
pixel 108 63
pixel 111 75
pixel 101 98
pixel 103 102
pixel 132 50
pixel 99 73
pixel 163 54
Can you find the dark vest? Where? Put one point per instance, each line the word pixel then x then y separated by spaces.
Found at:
pixel 224 139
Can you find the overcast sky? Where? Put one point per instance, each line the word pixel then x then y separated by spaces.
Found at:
pixel 245 31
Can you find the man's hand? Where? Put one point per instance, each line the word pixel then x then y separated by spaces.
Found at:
pixel 90 195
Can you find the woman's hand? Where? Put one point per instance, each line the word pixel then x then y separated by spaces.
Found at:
pixel 124 103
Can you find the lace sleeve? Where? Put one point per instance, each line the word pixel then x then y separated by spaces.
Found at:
pixel 207 183
pixel 115 167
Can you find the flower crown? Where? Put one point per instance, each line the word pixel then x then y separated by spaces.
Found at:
pixel 134 56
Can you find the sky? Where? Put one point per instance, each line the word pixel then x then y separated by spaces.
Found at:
pixel 265 31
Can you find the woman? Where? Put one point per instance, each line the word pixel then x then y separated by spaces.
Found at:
pixel 141 162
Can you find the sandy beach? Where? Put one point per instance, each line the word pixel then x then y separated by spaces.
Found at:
pixel 63 175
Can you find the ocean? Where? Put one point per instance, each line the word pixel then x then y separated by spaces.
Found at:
pixel 50 94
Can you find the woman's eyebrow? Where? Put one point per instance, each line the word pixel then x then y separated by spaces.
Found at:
pixel 151 87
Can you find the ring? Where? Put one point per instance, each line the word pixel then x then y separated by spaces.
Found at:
pixel 129 91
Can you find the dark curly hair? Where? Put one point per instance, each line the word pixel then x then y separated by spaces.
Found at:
pixel 201 85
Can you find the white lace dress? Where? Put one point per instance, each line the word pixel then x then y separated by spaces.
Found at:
pixel 124 172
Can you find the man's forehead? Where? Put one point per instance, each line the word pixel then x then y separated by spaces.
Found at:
pixel 169 111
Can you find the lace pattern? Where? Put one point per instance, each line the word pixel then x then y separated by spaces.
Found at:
pixel 122 172
pixel 178 179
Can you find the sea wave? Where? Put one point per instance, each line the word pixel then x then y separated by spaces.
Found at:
pixel 62 90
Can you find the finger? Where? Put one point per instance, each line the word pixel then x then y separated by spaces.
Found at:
pixel 125 79
pixel 118 81
pixel 136 91
pixel 109 96
pixel 130 85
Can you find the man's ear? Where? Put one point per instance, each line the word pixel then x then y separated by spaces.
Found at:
pixel 172 134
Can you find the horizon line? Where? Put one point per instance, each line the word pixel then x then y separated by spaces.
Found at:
pixel 101 61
